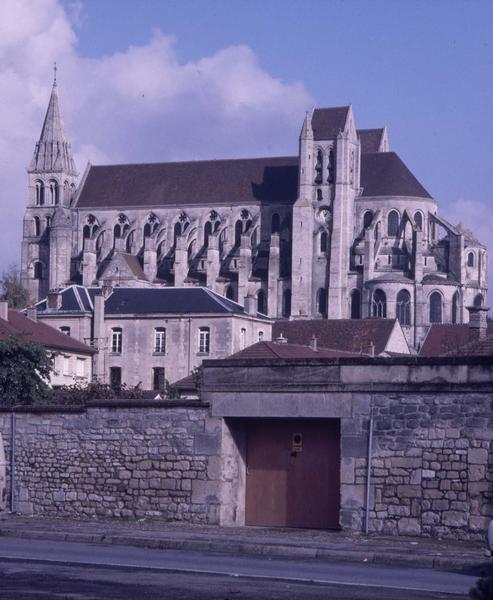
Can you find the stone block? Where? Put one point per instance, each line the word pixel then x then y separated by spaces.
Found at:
pixel 407 526
pixel 477 456
pixel 207 443
pixel 354 446
pixel 409 491
pixel 347 470
pixel 205 492
pixel 453 518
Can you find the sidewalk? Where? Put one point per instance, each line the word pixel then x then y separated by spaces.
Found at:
pixel 269 542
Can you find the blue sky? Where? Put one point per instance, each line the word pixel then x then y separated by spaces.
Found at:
pixel 162 80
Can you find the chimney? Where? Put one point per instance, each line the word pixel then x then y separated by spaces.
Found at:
pixel 250 305
pixel 281 340
pixel 107 288
pixel 370 349
pixel 54 300
pixel 478 322
pixel 314 343
pixel 4 310
pixel 32 313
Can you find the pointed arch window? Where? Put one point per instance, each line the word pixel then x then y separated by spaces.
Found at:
pixel 322 302
pixel 319 167
pixel 355 304
pixel 478 300
pixel 38 270
pixel 54 191
pixel 286 303
pixel 455 308
pixel 324 242
pixel 275 223
pixel 238 232
pixel 37 226
pixel 393 223
pixel 86 232
pixel 207 233
pixel 418 221
pixel 261 308
pixel 435 307
pixel 470 259
pixel 331 167
pixel 403 307
pixel 367 219
pixel 147 230
pixel 40 193
pixel 379 304
pixel 48 222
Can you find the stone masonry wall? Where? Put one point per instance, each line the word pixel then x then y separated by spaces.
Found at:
pixel 432 468
pixel 117 462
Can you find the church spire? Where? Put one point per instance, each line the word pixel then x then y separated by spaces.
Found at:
pixel 53 153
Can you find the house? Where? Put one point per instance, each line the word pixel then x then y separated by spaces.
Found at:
pixel 73 359
pixel 148 335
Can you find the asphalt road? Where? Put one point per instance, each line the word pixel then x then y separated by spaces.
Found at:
pixel 35 570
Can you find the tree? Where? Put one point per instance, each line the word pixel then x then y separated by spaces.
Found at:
pixel 12 290
pixel 25 368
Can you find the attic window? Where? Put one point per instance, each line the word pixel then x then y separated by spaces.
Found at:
pixel 65 330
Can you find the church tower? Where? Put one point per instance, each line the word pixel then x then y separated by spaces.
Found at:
pixel 323 213
pixel 47 234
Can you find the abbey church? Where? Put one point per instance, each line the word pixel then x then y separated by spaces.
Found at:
pixel 342 230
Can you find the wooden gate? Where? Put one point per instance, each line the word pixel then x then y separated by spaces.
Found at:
pixel 293 468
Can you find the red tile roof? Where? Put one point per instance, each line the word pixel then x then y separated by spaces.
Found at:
pixel 479 347
pixel 347 335
pixel 34 331
pixel 445 338
pixel 269 350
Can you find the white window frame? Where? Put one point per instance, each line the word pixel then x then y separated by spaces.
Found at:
pixel 116 340
pixel 159 340
pixel 204 340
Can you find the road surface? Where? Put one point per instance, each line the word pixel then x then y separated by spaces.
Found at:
pixel 35 570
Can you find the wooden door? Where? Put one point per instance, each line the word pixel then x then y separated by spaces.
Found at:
pixel 293 468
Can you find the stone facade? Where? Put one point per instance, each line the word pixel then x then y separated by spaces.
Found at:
pixel 118 462
pixel 342 230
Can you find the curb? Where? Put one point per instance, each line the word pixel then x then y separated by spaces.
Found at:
pixel 271 550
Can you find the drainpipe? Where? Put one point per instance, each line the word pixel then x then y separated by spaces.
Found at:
pixel 189 343
pixel 368 471
pixel 12 464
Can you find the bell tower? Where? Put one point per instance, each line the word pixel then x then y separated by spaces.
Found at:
pixel 47 233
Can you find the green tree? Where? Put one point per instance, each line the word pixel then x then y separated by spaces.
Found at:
pixel 25 368
pixel 12 290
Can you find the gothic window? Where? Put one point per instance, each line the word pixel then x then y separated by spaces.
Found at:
pixel 230 292
pixel 478 300
pixel 436 307
pixel 418 220
pixel 331 167
pixel 275 223
pixel 48 222
pixel 261 308
pixel 319 195
pixel 159 340
pixel 324 242
pixel 367 219
pixel 238 232
pixel 117 231
pixel 158 379
pixel 322 302
pixel 204 340
pixel 40 193
pixel 355 304
pixel 319 167
pixel 37 226
pixel 286 303
pixel 455 308
pixel 86 232
pixel 207 233
pixel 147 230
pixel 116 340
pixel 403 307
pixel 393 223
pixel 177 231
pixel 470 259
pixel 38 270
pixel 54 192
pixel 351 168
pixel 379 304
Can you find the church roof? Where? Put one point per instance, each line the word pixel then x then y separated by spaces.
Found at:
pixel 268 350
pixel 447 339
pixel 384 174
pixel 328 122
pixel 53 152
pixel 371 140
pixel 232 181
pixel 229 181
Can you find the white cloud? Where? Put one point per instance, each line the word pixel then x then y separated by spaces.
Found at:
pixel 142 104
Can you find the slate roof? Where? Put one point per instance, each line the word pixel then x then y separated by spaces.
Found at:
pixel 384 174
pixel 34 331
pixel 233 181
pixel 370 140
pixel 446 338
pixel 269 350
pixel 142 301
pixel 328 122
pixel 348 335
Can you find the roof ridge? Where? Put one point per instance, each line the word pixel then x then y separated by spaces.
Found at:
pixel 195 161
